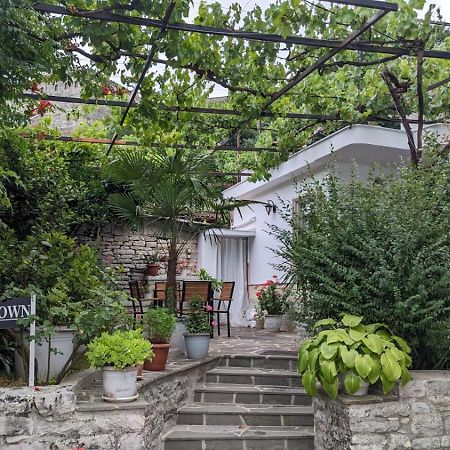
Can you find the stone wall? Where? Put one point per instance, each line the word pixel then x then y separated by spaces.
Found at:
pixel 418 418
pixel 50 418
pixel 122 247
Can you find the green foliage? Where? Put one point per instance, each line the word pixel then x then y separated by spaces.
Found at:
pixel 120 349
pixel 159 324
pixel 380 250
pixel 216 284
pixel 271 299
pixel 361 352
pixel 6 353
pixel 151 258
pixel 198 320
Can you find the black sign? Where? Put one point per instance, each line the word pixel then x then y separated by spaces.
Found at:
pixel 13 309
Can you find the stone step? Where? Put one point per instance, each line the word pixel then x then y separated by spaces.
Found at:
pixel 201 437
pixel 251 394
pixel 244 375
pixel 245 415
pixel 271 361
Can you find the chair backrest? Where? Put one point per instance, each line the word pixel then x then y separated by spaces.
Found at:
pixel 136 290
pixel 227 290
pixel 196 289
pixel 160 290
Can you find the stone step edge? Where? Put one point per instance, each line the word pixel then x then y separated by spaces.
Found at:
pixel 260 356
pixel 252 371
pixel 223 432
pixel 231 388
pixel 246 409
pixel 95 406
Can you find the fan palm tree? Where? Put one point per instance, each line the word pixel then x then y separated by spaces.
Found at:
pixel 169 189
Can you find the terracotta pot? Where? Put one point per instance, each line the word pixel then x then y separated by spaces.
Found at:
pixel 159 361
pixel 153 270
pixel 140 372
pixel 259 324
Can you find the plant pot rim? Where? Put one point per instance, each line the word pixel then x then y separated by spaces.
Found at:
pixel 273 315
pixel 115 369
pixel 160 344
pixel 197 334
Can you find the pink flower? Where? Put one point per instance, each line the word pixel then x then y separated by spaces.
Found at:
pixel 208 308
pixel 268 283
pixel 258 293
pixel 214 323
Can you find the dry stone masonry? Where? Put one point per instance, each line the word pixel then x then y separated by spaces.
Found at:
pixel 418 418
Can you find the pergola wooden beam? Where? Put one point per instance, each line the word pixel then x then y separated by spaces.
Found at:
pixel 242 34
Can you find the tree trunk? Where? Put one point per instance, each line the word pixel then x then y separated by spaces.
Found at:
pixel 171 286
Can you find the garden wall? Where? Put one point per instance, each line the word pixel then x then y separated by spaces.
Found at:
pixel 418 418
pixel 51 418
pixel 120 246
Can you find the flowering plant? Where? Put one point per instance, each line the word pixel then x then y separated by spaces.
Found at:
pixel 270 298
pixel 198 317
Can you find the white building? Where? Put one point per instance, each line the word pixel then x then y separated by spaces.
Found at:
pixel 243 252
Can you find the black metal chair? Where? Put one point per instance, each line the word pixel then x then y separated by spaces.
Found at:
pixel 226 297
pixel 137 295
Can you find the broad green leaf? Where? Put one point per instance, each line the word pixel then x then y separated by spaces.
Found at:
pixel 328 370
pixel 303 362
pixel 363 365
pixel 387 384
pixel 390 367
pixel 328 350
pixel 402 343
pixel 398 354
pixel 309 382
pixel 356 335
pixel 408 360
pixel 348 356
pixel 331 388
pixel 374 343
pixel 384 334
pixel 324 322
pixel 374 374
pixel 312 363
pixel 352 383
pixel 351 321
pixel 406 376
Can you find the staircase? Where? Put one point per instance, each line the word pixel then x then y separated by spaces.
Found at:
pixel 247 403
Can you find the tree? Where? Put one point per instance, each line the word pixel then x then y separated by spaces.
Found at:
pixel 170 189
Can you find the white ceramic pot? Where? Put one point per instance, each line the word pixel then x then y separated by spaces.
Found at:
pixel 272 323
pixel 177 346
pixel 119 385
pixel 62 341
pixel 197 345
pixel 363 387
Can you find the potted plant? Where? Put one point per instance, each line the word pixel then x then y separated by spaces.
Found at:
pixel 361 355
pixel 159 325
pixel 119 354
pixel 270 301
pixel 198 330
pixel 216 284
pixel 152 264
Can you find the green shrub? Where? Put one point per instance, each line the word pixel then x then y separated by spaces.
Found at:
pixel 380 250
pixel 120 349
pixel 368 353
pixel 159 324
pixel 198 320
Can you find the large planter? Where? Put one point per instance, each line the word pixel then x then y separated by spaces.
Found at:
pixel 62 341
pixel 119 385
pixel 153 270
pixel 197 345
pixel 287 324
pixel 159 361
pixel 272 323
pixel 177 340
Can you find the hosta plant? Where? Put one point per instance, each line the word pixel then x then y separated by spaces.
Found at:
pixel 362 352
pixel 121 349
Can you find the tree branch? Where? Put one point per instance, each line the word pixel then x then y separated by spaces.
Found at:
pixel 421 102
pixel 361 63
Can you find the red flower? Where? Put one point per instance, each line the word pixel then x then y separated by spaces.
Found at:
pixel 258 293
pixel 106 90
pixel 268 283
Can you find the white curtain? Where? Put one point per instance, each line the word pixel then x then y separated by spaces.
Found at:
pixel 231 266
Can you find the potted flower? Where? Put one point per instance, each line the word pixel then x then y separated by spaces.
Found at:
pixel 198 329
pixel 361 355
pixel 270 301
pixel 119 354
pixel 159 325
pixel 152 264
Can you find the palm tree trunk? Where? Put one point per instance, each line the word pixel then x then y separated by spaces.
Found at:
pixel 171 286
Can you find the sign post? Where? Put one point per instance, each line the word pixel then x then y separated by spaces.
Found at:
pixel 13 309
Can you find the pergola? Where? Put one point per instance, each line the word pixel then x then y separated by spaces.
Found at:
pixel 351 42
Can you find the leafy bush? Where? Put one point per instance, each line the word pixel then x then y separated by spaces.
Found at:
pixel 120 349
pixel 380 250
pixel 159 324
pixel 216 284
pixel 362 352
pixel 270 299
pixel 198 320
pixel 6 353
